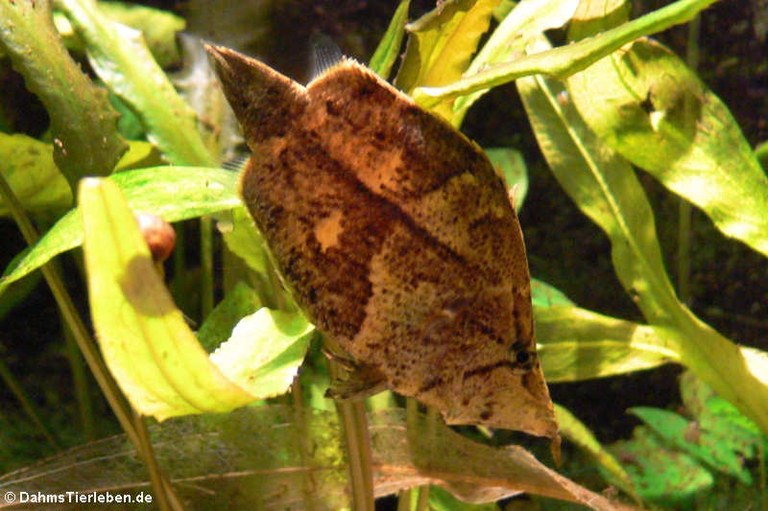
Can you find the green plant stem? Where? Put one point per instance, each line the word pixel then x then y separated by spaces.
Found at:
pixel 82 337
pixel 685 213
pixel 404 500
pixel 166 496
pixel 206 266
pixel 300 414
pixel 354 425
pixel 84 403
pixel 13 385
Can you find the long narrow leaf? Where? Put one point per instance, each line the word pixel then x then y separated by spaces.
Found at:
pixel 566 60
pixel 606 189
pixel 389 47
pixel 146 343
pixel 83 124
pixel 528 19
pixel 648 106
pixel 121 59
pixel 173 193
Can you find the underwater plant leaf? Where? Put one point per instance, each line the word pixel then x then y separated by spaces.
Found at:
pixel 275 457
pixel 240 301
pixel 510 164
pixel 544 295
pixel 264 352
pixel 689 437
pixel 527 19
pixel 28 166
pixel 83 124
pixel 389 48
pixel 244 240
pixel 149 349
pixel 139 155
pixel 158 27
pixel 576 344
pixel 577 432
pixel 566 60
pixel 654 111
pixel 605 188
pixel 173 193
pixel 120 58
pixel 660 475
pixel 440 45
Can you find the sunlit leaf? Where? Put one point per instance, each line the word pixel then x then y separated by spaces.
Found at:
pixel 83 123
pixel 146 343
pixel 27 164
pixel 119 56
pixel 577 432
pixel 605 188
pixel 566 60
pixel 275 458
pixel 576 344
pixel 158 27
pixel 389 48
pixel 528 19
pixel 265 351
pixel 648 106
pixel 173 193
pixel 440 45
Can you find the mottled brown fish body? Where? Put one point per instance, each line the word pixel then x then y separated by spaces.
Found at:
pixel 396 236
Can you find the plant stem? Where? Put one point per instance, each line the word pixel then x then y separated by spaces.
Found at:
pixel 13 385
pixel 354 425
pixel 684 213
pixel 206 266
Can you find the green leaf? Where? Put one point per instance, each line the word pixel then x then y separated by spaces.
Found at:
pixel 244 240
pixel 528 19
pixel 577 344
pixel 606 189
pixel 27 165
pixel 566 60
pixel 159 28
pixel 440 45
pixel 265 351
pixel 510 164
pixel 146 343
pixel 239 302
pixel 659 475
pixel 649 107
pixel 389 47
pixel 83 123
pixel 577 432
pixel 173 193
pixel 691 438
pixel 120 58
pixel 544 295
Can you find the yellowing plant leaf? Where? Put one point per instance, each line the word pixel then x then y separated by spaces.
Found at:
pixel 441 43
pixel 154 356
pixel 27 164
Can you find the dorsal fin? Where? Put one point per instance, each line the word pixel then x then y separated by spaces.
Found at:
pixel 324 54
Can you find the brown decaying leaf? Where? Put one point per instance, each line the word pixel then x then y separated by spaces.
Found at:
pixel 266 458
